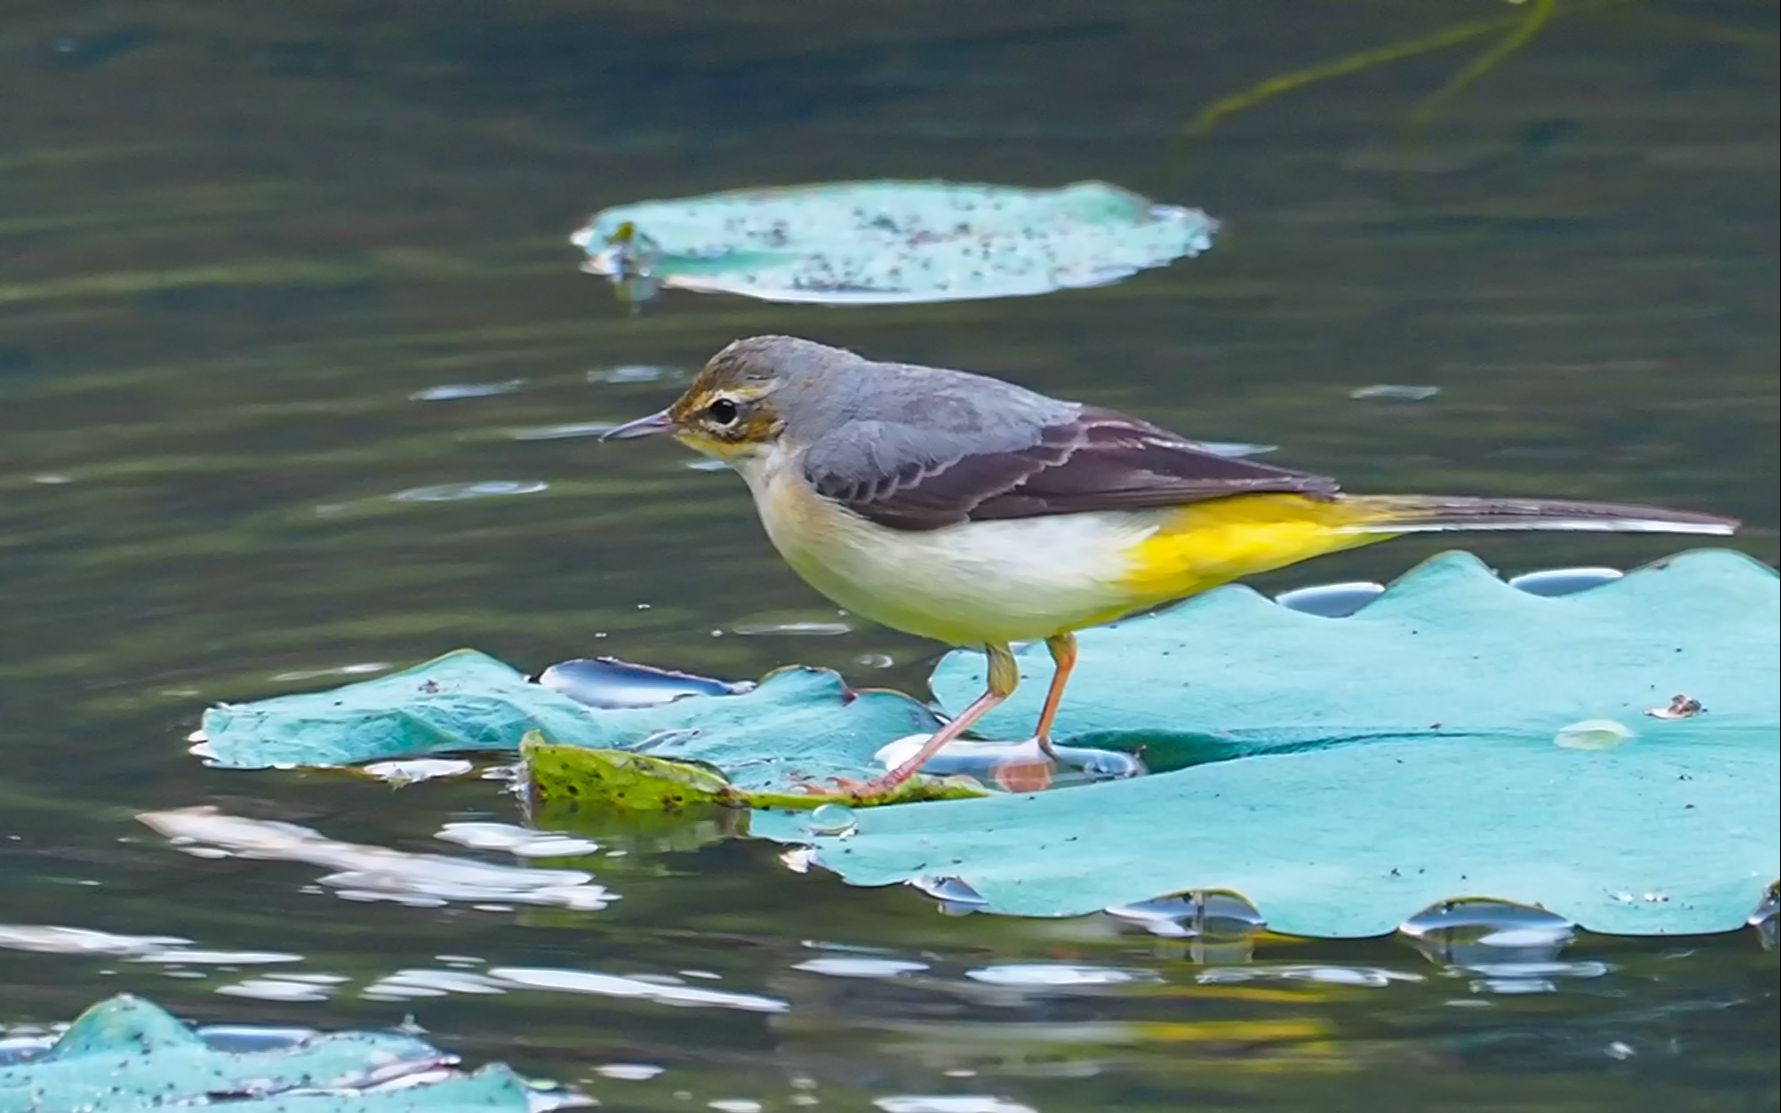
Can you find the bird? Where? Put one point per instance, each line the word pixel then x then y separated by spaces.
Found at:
pixel 975 512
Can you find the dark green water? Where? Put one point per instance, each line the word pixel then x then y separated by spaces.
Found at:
pixel 236 240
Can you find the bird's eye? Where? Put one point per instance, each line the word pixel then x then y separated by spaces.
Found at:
pixel 723 412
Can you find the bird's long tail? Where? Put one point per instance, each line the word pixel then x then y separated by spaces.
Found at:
pixel 1395 514
pixel 1204 544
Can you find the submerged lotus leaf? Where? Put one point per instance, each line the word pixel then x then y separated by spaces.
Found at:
pixel 1343 773
pixel 798 722
pixel 126 1055
pixel 891 241
pixel 565 777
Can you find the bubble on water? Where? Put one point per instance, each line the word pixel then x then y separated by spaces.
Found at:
pixel 832 820
pixel 1592 734
pixel 1564 581
pixel 1331 600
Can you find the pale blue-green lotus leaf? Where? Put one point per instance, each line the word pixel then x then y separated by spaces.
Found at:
pixel 1352 771
pixel 798 722
pixel 892 241
pixel 125 1055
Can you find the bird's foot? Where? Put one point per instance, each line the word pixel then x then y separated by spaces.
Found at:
pixel 1027 767
pixel 1037 764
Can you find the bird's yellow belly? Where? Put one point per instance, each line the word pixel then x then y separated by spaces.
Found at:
pixel 1205 544
pixel 1030 578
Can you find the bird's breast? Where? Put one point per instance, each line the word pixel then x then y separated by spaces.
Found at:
pixel 964 584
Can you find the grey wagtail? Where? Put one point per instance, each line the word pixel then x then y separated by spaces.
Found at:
pixel 978 513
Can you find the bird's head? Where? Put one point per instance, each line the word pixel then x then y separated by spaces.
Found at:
pixel 752 397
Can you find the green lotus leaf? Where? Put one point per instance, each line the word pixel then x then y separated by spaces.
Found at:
pixel 1455 737
pixel 890 241
pixel 1345 773
pixel 797 723
pixel 125 1055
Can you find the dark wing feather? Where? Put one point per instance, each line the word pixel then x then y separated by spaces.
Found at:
pixel 1096 460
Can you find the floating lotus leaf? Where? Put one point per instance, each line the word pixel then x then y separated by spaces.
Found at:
pixel 798 722
pixel 1454 737
pixel 1344 773
pixel 125 1055
pixel 890 241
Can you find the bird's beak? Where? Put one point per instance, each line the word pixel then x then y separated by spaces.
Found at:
pixel 652 426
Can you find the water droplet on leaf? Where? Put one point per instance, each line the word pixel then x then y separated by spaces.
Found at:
pixel 1592 734
pixel 832 820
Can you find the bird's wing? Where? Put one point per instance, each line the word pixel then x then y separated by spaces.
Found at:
pixel 914 478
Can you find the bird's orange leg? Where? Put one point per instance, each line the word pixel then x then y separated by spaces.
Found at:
pixel 1004 676
pixel 1063 655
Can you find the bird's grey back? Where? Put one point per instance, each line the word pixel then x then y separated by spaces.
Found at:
pixel 858 409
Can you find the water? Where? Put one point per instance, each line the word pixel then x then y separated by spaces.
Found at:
pixel 298 381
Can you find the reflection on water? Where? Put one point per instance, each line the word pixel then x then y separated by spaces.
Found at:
pixel 1030 975
pixel 859 966
pixel 403 771
pixel 451 392
pixel 666 991
pixel 369 873
pixel 265 272
pixel 1205 916
pixel 487 488
pixel 521 842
